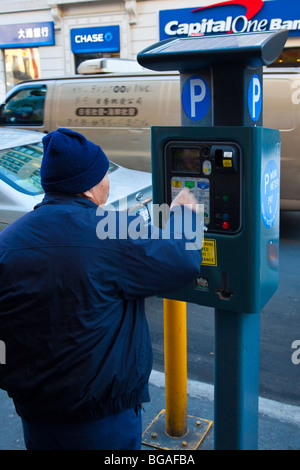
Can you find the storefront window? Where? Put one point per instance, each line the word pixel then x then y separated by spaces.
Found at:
pixel 20 65
pixel 93 55
pixel 290 57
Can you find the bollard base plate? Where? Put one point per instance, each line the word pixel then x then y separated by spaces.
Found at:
pixel 155 435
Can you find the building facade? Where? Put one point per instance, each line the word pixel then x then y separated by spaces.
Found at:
pixel 44 38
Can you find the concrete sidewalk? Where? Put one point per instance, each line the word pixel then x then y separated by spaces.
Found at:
pixel 279 424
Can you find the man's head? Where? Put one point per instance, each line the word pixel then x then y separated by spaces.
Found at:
pixel 72 164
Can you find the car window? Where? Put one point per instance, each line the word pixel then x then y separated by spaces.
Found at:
pixel 25 107
pixel 20 167
pixel 112 167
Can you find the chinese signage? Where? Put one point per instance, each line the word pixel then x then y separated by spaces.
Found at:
pixel 27 35
pixel 232 16
pixel 96 39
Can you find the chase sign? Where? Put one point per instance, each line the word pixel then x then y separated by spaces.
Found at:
pixel 95 39
pixel 231 16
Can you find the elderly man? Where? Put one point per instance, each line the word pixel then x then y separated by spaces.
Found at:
pixel 72 307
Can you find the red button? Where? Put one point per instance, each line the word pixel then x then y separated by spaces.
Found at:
pixel 225 225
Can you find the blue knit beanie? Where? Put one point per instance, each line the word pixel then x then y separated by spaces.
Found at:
pixel 71 163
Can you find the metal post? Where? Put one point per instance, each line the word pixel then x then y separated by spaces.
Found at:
pixel 172 424
pixel 175 341
pixel 237 337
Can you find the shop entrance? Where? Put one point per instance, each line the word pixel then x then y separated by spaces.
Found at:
pixel 21 64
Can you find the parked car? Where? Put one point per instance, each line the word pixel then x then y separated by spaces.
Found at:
pixel 21 153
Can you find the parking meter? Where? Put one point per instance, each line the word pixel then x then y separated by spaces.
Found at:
pixel 234 172
pixel 232 165
pixel 229 162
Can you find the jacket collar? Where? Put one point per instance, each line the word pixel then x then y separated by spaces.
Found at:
pixel 65 198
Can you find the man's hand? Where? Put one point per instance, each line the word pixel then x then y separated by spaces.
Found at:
pixel 183 198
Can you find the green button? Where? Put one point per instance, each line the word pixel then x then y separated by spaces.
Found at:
pixel 190 184
pixel 225 198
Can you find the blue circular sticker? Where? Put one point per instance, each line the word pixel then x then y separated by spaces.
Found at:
pixel 270 194
pixel 196 98
pixel 255 97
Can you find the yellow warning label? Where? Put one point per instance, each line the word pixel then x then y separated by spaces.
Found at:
pixel 209 252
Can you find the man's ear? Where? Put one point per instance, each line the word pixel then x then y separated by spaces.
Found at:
pixel 88 194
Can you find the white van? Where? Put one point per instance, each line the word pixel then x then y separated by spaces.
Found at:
pixel 116 110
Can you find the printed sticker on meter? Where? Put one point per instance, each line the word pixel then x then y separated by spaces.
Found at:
pixel 209 252
pixel 198 186
pixel 270 194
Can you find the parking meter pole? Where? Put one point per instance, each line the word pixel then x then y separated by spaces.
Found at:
pixel 175 338
pixel 236 380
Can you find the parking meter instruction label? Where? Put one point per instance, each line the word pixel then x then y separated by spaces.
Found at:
pixel 196 98
pixel 209 252
pixel 198 186
pixel 255 97
pixel 270 188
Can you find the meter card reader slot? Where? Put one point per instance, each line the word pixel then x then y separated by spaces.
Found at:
pixel 212 172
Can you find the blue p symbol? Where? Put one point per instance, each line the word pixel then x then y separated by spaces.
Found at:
pixel 255 97
pixel 196 98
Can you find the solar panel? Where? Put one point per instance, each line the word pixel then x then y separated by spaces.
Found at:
pixel 189 53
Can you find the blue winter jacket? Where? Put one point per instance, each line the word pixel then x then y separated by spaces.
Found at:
pixel 72 311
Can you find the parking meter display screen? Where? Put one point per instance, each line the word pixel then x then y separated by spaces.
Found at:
pixel 186 160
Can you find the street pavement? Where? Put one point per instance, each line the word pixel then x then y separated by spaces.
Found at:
pixel 279 424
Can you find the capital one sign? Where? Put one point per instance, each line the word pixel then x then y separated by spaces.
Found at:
pixel 232 16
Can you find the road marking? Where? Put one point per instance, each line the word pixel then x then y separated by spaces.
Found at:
pixel 270 408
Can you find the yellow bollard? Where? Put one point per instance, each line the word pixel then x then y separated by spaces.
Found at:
pixel 173 422
pixel 175 341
